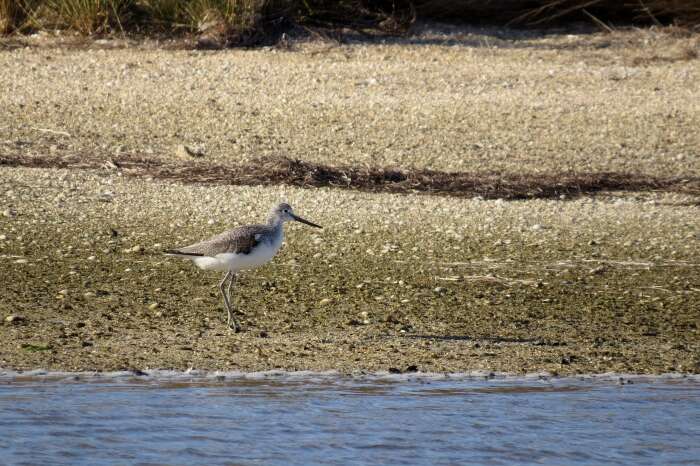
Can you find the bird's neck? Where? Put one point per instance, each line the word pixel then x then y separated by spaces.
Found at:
pixel 275 222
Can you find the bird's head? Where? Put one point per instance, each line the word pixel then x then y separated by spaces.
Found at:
pixel 283 213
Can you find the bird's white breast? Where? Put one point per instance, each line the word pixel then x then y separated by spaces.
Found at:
pixel 260 255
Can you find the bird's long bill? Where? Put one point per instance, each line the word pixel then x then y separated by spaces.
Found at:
pixel 299 219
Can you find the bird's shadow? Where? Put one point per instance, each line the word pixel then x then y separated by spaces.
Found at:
pixel 495 339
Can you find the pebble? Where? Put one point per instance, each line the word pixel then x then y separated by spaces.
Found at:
pixel 9 213
pixel 185 152
pixel 3 237
pixel 153 306
pixel 14 319
pixel 106 196
pixel 21 261
pixel 324 301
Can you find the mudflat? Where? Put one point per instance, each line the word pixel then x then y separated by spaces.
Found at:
pixel 392 281
pixel 582 283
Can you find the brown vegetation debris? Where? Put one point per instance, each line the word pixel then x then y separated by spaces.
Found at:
pixel 293 172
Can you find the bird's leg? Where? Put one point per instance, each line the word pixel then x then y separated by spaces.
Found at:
pixel 228 275
pixel 223 293
pixel 236 326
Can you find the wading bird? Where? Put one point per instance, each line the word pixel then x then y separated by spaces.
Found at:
pixel 243 248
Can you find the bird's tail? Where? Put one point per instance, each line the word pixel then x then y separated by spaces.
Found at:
pixel 201 260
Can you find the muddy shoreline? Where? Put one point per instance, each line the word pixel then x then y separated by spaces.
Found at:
pixel 584 286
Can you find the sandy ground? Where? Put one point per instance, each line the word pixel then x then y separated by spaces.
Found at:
pixel 600 283
pixel 443 284
pixel 463 99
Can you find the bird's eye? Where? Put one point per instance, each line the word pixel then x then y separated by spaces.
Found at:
pixel 286 211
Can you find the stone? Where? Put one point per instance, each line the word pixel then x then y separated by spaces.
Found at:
pixel 186 152
pixel 15 319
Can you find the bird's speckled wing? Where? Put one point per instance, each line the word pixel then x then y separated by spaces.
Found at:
pixel 240 240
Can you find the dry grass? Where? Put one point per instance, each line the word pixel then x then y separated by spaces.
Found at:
pixel 7 15
pixel 685 12
pixel 91 17
pixel 226 21
pixel 550 11
pixel 204 16
pixel 236 21
pixel 85 16
pixel 15 14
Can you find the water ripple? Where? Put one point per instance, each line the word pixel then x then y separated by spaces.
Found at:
pixel 328 419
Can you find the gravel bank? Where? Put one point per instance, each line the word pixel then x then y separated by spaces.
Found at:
pixel 451 99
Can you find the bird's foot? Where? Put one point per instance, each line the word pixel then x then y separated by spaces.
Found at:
pixel 235 327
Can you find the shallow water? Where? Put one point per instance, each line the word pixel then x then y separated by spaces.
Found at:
pixel 328 419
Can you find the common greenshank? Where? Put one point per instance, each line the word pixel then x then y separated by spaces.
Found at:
pixel 243 248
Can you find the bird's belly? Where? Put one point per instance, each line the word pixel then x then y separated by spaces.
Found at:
pixel 260 255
